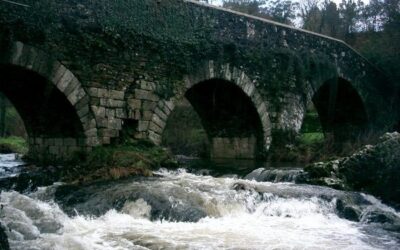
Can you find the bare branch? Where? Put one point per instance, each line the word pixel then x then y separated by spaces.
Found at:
pixel 19 4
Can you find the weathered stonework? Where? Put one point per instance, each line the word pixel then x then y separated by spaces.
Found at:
pixel 129 62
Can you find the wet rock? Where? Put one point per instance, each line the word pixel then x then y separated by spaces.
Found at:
pixel 3 239
pixel 31 179
pixel 5 149
pixel 274 175
pixel 96 199
pixel 348 212
pixel 374 169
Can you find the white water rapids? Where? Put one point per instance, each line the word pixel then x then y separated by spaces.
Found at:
pixel 258 215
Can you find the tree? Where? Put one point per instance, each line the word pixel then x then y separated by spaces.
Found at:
pixel 282 11
pixel 276 10
pixel 330 21
pixel 349 15
pixel 251 7
pixel 311 15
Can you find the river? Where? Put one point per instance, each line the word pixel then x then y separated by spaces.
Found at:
pixel 197 209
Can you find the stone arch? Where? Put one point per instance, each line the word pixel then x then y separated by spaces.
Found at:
pixel 37 64
pixel 212 71
pixel 340 107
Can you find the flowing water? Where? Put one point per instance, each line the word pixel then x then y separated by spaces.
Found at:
pixel 190 209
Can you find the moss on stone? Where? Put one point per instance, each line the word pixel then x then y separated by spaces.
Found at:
pixel 13 144
pixel 118 161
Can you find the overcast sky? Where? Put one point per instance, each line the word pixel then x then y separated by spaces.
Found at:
pixel 219 2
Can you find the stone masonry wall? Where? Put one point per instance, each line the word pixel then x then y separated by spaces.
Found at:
pixel 133 58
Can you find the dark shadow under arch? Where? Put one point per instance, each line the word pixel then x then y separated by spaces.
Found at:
pixel 45 110
pixel 341 109
pixel 229 117
pixel 51 122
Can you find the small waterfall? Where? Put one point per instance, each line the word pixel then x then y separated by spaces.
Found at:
pixel 193 210
pixel 274 175
pixel 180 210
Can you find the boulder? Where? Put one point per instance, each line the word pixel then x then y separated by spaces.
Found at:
pixel 374 169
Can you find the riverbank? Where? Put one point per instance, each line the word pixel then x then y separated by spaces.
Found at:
pixel 13 144
pixel 374 169
pixel 135 158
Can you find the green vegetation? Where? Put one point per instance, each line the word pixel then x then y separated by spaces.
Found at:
pixel 136 158
pixel 13 144
pixel 311 138
pixel 11 123
pixel 312 144
pixel 184 133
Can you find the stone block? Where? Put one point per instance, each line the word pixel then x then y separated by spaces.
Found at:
pixel 62 151
pixel 73 149
pixel 155 138
pixel 160 122
pixel 104 102
pixel 141 135
pixel 108 132
pixel 161 114
pixel 148 105
pixel 110 113
pixel 95 101
pixel 147 85
pixel 70 142
pixel 115 103
pixel 134 103
pixel 30 62
pixel 71 86
pixel 58 72
pixel 54 150
pixel 155 127
pixel 115 124
pixel 58 141
pixel 91 132
pixel 120 113
pixel 262 109
pixel 83 111
pixel 49 141
pixel 117 95
pixel 146 95
pixel 17 52
pixel 93 92
pixel 170 104
pixel 147 115
pixel 105 140
pixel 99 111
pixel 143 126
pixel 92 141
pixel 102 93
pixel 89 123
pixel 76 95
pixel 82 102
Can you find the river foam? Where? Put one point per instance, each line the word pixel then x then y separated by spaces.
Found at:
pixel 254 217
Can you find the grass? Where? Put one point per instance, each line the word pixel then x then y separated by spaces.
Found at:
pixel 311 138
pixel 13 144
pixel 118 161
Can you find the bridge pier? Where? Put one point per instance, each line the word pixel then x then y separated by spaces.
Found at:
pixel 233 148
pixel 55 149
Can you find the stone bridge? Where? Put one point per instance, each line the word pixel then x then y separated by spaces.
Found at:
pixel 84 73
